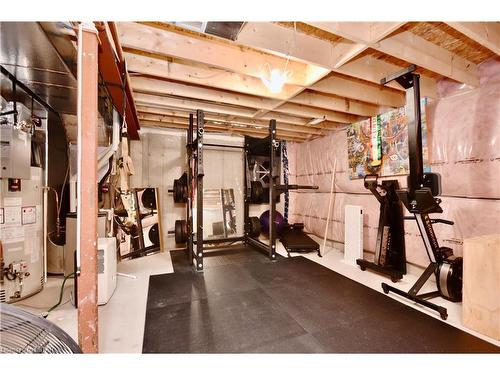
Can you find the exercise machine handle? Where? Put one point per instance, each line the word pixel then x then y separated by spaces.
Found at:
pixel 442 221
pixel 433 221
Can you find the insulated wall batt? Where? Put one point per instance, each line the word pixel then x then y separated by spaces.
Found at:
pixel 464 147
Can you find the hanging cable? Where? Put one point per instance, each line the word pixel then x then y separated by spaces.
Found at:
pixel 60 294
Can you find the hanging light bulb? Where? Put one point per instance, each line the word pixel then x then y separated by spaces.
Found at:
pixel 276 79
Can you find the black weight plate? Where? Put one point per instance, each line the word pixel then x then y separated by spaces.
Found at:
pixel 180 191
pixel 255 227
pixel 180 231
pixel 256 192
pixel 149 198
pixel 154 234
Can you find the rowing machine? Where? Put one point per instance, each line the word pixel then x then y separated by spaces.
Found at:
pixel 420 198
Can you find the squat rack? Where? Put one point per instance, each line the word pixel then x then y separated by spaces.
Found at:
pixel 267 147
pixel 195 173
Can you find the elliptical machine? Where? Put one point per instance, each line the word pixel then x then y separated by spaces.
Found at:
pixel 420 198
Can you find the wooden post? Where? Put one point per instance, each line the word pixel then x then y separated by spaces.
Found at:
pixel 87 188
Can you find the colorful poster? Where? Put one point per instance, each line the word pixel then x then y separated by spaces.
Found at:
pixel 362 158
pixel 379 145
pixel 394 143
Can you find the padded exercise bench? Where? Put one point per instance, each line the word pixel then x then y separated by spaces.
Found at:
pixel 295 240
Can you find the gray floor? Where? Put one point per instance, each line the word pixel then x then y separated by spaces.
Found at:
pixel 244 303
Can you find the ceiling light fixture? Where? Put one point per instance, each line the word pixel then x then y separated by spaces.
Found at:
pixel 316 121
pixel 275 79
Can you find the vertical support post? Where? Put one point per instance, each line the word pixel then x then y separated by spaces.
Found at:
pixel 189 214
pixel 413 115
pixel 273 181
pixel 87 188
pixel 246 205
pixel 200 121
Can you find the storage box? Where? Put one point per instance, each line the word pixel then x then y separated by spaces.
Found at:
pixel 481 285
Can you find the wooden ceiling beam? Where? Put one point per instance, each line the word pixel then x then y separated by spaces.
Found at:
pixel 485 33
pixel 371 69
pixel 415 49
pixel 155 86
pixel 310 112
pixel 239 121
pixel 159 66
pixel 284 41
pixel 175 112
pixel 232 130
pixel 281 117
pixel 365 33
pixel 411 48
pixel 335 103
pixel 146 99
pixel 179 114
pixel 336 56
pixel 210 51
pixel 354 89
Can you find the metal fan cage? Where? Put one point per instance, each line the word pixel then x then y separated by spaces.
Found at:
pixel 23 332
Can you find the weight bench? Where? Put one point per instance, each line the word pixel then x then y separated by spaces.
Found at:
pixel 295 240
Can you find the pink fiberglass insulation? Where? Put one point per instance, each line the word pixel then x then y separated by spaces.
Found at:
pixel 464 147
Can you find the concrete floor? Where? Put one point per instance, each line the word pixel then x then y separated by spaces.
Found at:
pixel 121 320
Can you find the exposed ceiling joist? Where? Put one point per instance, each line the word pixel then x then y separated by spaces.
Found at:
pixel 373 70
pixel 211 51
pixel 484 33
pixel 171 111
pixel 146 99
pixel 365 33
pixel 282 40
pixel 274 38
pixel 154 86
pixel 210 127
pixel 354 89
pixel 238 121
pixel 305 111
pixel 159 66
pixel 411 48
pixel 415 49
pixel 335 103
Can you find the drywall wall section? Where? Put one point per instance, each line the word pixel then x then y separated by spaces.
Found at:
pixel 464 142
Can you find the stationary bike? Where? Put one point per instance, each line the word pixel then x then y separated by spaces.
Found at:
pixel 421 199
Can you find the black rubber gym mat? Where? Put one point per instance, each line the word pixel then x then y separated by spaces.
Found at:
pixel 292 305
pixel 236 254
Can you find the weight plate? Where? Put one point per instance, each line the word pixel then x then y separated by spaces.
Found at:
pixel 254 226
pixel 154 235
pixel 180 191
pixel 148 198
pixel 180 231
pixel 256 192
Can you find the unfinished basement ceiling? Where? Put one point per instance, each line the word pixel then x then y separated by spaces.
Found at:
pixel 334 69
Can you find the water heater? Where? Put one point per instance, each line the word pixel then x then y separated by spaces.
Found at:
pixel 21 236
